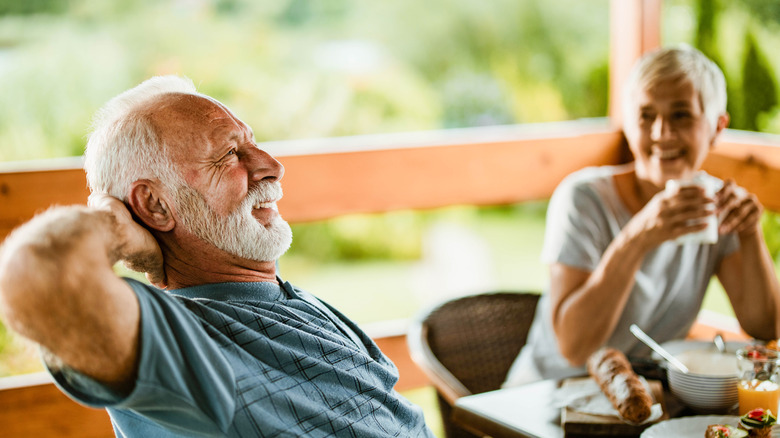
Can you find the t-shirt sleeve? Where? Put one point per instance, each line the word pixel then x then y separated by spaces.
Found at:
pixel 576 233
pixel 183 380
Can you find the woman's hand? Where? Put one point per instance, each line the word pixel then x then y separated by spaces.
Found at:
pixel 671 214
pixel 739 210
pixel 748 274
pixel 136 246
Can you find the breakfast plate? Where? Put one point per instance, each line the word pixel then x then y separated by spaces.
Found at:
pixel 691 427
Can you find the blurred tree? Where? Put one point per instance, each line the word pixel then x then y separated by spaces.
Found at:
pixel 706 41
pixel 759 89
pixel 765 10
pixel 471 99
pixel 770 222
pixel 595 100
pixel 390 236
pixel 705 29
pixel 29 7
pixel 303 68
pixel 300 13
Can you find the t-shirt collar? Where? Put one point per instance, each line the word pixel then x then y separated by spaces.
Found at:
pixel 251 291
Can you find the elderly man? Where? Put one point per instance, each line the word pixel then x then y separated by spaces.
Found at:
pixel 181 191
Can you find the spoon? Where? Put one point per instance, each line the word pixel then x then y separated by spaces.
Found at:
pixel 642 336
pixel 719 344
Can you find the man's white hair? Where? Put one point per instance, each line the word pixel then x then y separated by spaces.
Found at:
pixel 124 146
pixel 679 63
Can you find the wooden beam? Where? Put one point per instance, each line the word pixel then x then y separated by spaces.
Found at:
pixel 328 185
pixel 754 165
pixel 31 406
pixel 324 185
pixel 25 193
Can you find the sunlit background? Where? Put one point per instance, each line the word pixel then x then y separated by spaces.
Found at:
pixel 300 69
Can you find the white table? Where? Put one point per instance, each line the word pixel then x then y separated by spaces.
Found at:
pixel 524 411
pixel 527 412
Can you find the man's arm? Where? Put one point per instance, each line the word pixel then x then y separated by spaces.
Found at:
pixel 58 288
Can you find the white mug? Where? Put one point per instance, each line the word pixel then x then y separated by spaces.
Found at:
pixel 710 186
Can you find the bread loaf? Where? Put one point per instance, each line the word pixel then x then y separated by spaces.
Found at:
pixel 612 371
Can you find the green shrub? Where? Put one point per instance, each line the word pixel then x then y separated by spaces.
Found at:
pixel 770 223
pixel 391 236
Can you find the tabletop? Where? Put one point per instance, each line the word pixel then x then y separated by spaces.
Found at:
pixel 524 411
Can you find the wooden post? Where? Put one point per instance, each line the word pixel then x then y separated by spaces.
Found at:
pixel 635 28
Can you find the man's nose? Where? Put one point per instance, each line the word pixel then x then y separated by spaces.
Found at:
pixel 262 166
pixel 661 128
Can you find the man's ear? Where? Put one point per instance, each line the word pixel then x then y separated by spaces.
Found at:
pixel 148 203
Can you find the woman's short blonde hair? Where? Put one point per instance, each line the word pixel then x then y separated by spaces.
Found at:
pixel 679 63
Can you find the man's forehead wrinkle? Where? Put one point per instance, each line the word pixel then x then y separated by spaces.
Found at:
pixel 180 113
pixel 222 120
pixel 182 105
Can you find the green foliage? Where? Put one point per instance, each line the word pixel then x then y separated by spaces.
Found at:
pixel 759 89
pixel 17 355
pixel 28 7
pixel 5 338
pixel 729 31
pixel 471 99
pixel 706 41
pixel 705 31
pixel 770 224
pixel 390 236
pixel 304 68
pixel 592 99
pixel 766 10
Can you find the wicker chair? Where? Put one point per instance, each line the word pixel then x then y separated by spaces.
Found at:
pixel 466 345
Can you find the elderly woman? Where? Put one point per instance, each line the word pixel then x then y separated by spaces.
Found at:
pixel 612 232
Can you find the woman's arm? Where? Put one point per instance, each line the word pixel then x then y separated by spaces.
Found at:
pixel 748 275
pixel 587 306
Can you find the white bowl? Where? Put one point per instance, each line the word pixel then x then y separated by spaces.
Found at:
pixel 704 393
pixel 708 396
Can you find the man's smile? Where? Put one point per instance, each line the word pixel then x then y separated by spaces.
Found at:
pixel 265 204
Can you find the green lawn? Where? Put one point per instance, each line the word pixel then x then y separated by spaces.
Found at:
pixel 426 399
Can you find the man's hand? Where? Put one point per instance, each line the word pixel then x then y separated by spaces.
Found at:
pixel 136 246
pixel 739 210
pixel 58 289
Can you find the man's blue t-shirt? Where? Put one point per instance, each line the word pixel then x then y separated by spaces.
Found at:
pixel 251 360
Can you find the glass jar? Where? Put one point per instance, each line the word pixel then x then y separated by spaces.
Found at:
pixel 759 382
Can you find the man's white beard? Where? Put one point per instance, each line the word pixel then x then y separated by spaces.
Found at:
pixel 239 233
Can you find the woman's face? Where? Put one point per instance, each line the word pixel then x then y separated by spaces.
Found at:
pixel 667 132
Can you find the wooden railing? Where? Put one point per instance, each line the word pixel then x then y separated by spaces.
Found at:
pixel 478 166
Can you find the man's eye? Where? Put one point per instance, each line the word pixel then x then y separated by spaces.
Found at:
pixel 232 152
